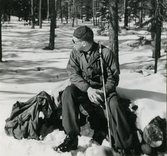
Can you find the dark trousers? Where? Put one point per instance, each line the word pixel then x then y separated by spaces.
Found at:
pixel 119 126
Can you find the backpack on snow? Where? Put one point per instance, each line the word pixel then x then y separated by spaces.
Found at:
pixel 24 121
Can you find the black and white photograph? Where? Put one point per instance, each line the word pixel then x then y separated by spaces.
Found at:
pixel 83 77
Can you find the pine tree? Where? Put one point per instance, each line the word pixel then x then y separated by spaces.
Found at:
pixel 40 15
pixel 32 15
pixel 113 28
pixel 51 45
pixel 0 33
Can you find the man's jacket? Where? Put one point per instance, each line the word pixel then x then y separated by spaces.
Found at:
pixel 85 73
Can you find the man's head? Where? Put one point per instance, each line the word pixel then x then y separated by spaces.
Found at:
pixel 83 38
pixel 84 33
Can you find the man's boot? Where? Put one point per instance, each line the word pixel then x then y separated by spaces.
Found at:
pixel 70 143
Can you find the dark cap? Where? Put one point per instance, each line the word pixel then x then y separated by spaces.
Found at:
pixel 84 33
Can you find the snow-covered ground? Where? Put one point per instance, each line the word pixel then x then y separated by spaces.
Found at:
pixel 27 70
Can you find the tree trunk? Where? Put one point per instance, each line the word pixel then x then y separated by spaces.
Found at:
pixel 93 13
pixel 1 7
pixel 67 12
pixel 158 32
pixel 56 13
pixel 52 25
pixel 32 15
pixel 0 35
pixel 48 10
pixel 73 17
pixel 61 11
pixel 40 14
pixel 9 10
pixel 141 13
pixel 125 14
pixel 113 28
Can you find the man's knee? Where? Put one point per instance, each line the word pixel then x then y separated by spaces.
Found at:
pixel 71 91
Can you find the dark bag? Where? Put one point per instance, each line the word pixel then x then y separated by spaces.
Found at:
pixel 154 133
pixel 24 119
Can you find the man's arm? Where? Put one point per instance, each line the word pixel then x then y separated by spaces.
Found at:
pixel 74 72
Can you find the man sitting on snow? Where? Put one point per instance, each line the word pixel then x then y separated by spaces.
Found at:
pixel 86 83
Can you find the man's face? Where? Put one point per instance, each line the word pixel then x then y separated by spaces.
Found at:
pixel 78 45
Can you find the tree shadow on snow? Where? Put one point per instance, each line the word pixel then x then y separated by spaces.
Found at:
pixel 38 75
pixel 141 62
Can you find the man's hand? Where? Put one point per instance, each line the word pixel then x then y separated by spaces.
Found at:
pixel 95 95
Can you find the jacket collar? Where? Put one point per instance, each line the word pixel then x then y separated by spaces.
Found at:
pixel 94 49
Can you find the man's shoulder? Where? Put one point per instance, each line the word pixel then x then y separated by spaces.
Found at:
pixel 106 51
